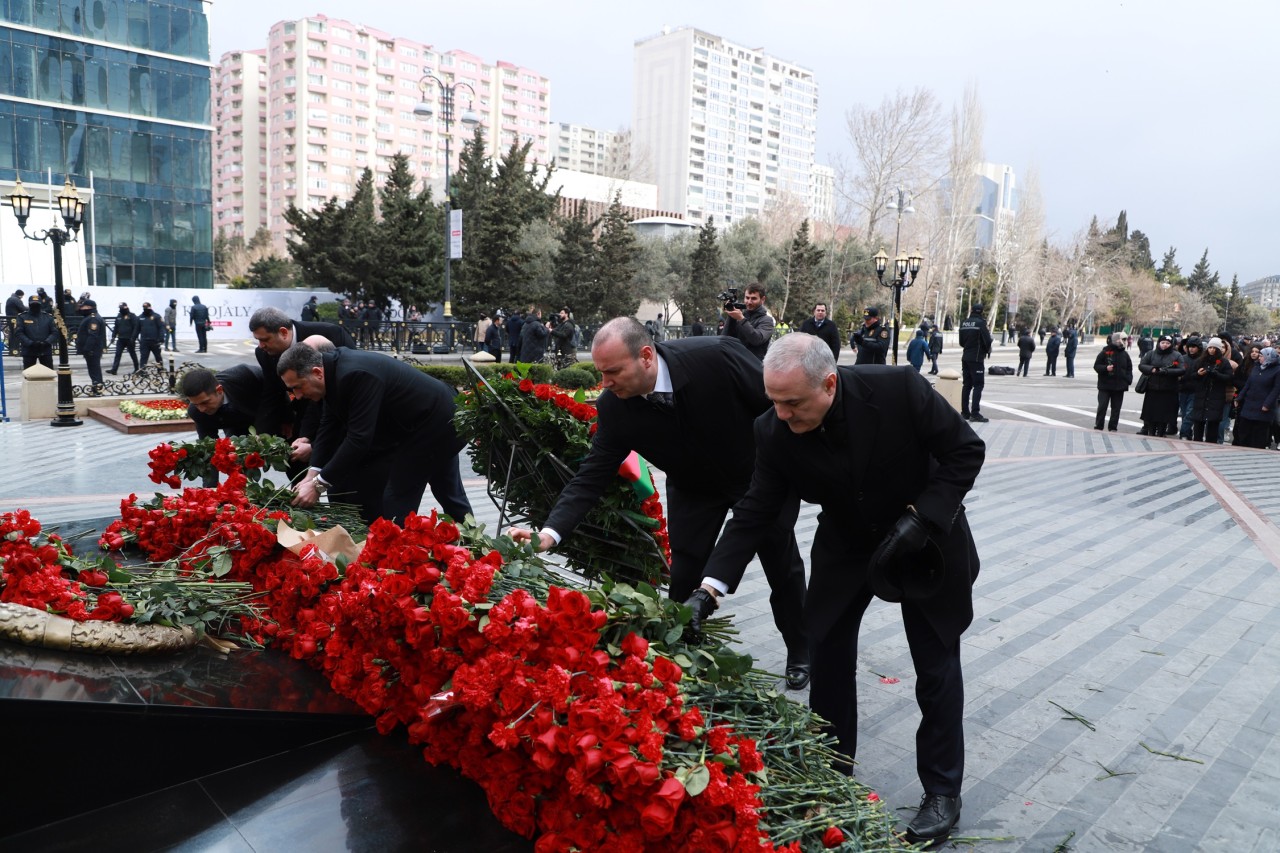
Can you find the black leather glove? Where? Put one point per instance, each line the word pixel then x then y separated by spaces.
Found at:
pixel 703 605
pixel 907 537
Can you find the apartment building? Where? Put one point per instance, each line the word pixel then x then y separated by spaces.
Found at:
pixel 726 129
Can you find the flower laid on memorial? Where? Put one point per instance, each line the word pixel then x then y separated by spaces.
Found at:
pixel 154 410
pixel 583 714
pixel 528 439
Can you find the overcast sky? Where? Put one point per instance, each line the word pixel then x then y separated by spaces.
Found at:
pixel 1169 109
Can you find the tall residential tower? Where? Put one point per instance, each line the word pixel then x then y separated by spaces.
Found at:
pixel 727 130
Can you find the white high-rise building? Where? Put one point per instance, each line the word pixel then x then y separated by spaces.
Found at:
pixel 586 149
pixel 724 129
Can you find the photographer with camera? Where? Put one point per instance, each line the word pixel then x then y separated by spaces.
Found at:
pixel 748 321
pixel 563 333
pixel 871 339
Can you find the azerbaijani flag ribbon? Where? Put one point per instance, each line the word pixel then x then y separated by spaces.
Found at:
pixel 636 472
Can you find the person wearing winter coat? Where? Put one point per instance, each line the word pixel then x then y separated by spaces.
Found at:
pixel 1192 347
pixel 935 349
pixel 1051 350
pixel 1115 373
pixel 916 350
pixel 1210 376
pixel 1163 366
pixel 1256 403
pixel 1026 346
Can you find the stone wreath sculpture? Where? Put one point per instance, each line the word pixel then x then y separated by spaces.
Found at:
pixel 31 627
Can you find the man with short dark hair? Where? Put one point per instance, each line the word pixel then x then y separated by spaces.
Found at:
pixel 753 326
pixel 226 401
pixel 277 414
pixel 386 433
pixel 871 339
pixel 563 334
pixel 822 327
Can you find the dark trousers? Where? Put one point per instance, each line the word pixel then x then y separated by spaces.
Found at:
pixel 1112 399
pixel 1186 400
pixel 973 381
pixel 121 346
pixel 1024 365
pixel 10 338
pixel 93 363
pixel 202 337
pixel 1071 365
pixel 392 486
pixel 42 353
pixel 1205 431
pixel 1051 366
pixel 939 692
pixel 693 524
pixel 151 348
pixel 933 361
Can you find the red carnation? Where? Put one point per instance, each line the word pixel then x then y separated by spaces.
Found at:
pixel 833 837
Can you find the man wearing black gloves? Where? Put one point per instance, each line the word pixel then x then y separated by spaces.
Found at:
pixel 889 462
pixel 753 326
pixel 91 342
pixel 975 340
pixel 819 325
pixel 125 336
pixel 687 406
pixel 871 339
pixel 151 334
pixel 36 334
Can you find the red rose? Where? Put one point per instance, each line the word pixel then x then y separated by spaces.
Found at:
pixel 659 816
pixel 526 385
pixel 636 645
pixel 833 837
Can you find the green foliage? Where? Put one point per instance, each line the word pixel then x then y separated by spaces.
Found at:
pixel 1202 280
pixel 497 202
pixel 576 279
pixel 748 256
pixel 574 377
pixel 270 272
pixel 697 295
pixel 314 242
pixel 327 311
pixel 617 265
pixel 409 242
pixel 455 375
pixel 1169 271
pixel 805 282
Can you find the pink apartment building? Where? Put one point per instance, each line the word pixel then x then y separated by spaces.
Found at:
pixel 299 121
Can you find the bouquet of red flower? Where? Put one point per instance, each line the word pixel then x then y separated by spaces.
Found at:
pixel 528 439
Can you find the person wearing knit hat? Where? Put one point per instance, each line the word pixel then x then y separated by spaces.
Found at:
pixel 1209 376
pixel 1162 366
pixel 1255 405
pixel 1115 374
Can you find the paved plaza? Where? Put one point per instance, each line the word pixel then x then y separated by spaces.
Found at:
pixel 1121 670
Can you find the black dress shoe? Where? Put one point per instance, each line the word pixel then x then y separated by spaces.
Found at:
pixel 797 676
pixel 935 819
pixel 112 372
pixel 978 419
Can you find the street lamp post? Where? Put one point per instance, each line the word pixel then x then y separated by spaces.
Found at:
pixel 424 109
pixel 72 210
pixel 905 269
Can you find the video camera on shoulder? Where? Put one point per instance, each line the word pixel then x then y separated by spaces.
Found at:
pixel 730 297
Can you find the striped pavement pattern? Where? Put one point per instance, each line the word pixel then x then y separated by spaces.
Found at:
pixel 1131 580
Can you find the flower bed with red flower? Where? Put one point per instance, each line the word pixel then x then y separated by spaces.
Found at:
pixel 554 428
pixel 582 714
pixel 154 410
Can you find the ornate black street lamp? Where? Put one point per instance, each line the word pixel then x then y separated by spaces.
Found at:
pixel 424 109
pixel 72 210
pixel 905 269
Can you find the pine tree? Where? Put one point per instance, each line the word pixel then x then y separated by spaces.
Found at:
pixel 1140 252
pixel 1201 279
pixel 314 242
pixel 577 283
pixel 618 256
pixel 1170 272
pixel 697 296
pixel 410 241
pixel 805 282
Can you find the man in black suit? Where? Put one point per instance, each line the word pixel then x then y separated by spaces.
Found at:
pixel 227 400
pixel 386 433
pixel 700 435
pixel 277 413
pixel 889 461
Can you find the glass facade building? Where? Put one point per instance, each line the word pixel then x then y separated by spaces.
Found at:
pixel 116 95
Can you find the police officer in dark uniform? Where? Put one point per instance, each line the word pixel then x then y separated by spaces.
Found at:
pixel 199 318
pixel 91 342
pixel 123 335
pixel 13 307
pixel 1071 339
pixel 871 339
pixel 975 340
pixel 151 333
pixel 36 333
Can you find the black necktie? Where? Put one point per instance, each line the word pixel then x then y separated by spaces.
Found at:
pixel 660 399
